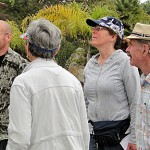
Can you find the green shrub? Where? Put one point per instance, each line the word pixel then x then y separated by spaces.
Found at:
pixel 17 44
pixel 67 48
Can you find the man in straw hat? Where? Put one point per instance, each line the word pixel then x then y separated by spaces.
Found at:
pixel 139 53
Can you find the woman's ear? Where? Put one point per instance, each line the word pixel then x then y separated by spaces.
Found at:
pixel 114 37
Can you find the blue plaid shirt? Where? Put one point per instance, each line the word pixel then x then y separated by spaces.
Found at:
pixel 143 115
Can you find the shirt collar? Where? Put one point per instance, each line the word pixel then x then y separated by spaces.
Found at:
pixel 40 63
pixel 116 52
pixel 145 79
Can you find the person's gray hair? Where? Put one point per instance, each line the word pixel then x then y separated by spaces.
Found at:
pixel 44 38
pixel 145 42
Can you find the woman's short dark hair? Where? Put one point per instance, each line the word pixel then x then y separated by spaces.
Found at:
pixel 118 44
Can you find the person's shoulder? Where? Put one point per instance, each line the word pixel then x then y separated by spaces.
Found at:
pixel 70 76
pixel 14 54
pixel 92 60
pixel 15 61
pixel 124 61
pixel 122 53
pixel 16 57
pixel 122 56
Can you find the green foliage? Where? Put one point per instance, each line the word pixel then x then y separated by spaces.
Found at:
pixel 99 12
pixel 11 2
pixel 146 6
pixel 103 8
pixel 25 23
pixel 69 18
pixel 67 48
pixel 19 9
pixel 16 41
pixel 131 12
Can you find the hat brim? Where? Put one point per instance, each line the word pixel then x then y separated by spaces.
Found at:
pixel 137 37
pixel 92 23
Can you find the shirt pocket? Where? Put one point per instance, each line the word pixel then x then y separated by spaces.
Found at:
pixel 146 108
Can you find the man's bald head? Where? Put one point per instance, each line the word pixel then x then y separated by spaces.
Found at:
pixel 5 27
pixel 5 36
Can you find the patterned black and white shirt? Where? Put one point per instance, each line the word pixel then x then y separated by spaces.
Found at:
pixel 11 65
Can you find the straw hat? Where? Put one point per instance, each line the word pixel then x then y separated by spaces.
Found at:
pixel 141 32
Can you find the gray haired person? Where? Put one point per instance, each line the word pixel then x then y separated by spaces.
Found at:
pixel 47 107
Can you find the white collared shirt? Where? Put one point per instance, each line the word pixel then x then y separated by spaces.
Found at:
pixel 47 110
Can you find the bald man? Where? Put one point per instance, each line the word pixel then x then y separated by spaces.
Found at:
pixel 11 65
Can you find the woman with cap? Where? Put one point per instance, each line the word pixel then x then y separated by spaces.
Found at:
pixel 47 108
pixel 111 88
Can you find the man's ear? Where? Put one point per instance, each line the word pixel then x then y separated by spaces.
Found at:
pixel 145 49
pixel 9 36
